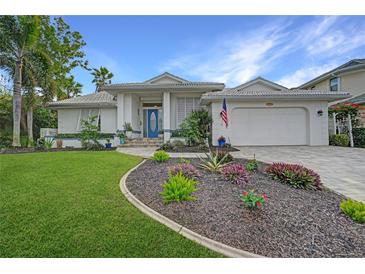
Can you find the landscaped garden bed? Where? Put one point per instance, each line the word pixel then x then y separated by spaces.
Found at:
pixel 290 222
pixel 15 150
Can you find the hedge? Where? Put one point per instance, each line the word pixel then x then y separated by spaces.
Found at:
pixel 359 137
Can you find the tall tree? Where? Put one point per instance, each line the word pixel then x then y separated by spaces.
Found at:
pixel 102 77
pixel 19 37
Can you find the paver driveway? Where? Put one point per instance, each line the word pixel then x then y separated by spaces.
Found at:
pixel 341 169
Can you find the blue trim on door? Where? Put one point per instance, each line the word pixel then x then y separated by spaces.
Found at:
pixel 152 126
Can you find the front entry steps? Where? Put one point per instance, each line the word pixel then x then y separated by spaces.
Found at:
pixel 143 142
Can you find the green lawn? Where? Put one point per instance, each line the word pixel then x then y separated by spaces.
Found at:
pixel 68 204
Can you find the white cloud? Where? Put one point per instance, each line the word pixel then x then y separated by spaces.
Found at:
pixel 304 74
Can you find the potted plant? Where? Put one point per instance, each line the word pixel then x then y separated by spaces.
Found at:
pixel 221 141
pixel 121 136
pixel 128 129
pixel 160 133
pixel 108 144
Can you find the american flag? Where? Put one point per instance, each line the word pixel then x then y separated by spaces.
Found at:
pixel 223 113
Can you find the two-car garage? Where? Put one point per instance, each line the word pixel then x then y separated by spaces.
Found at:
pixel 268 126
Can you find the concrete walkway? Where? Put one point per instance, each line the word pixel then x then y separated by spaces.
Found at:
pixel 341 169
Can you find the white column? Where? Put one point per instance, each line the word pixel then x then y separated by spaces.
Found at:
pixel 166 116
pixel 120 111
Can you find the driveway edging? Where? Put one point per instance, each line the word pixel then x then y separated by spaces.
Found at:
pixel 187 233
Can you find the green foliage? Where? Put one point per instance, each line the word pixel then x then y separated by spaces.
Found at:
pixel 5 140
pixel 253 200
pixel 6 111
pixel 102 77
pixel 89 134
pixel 213 162
pixel 195 127
pixel 251 165
pixel 343 109
pixel 160 156
pixel 342 140
pixel 43 118
pixel 223 155
pixel 359 137
pixel 177 133
pixel 127 126
pixel 182 160
pixel 48 143
pixel 354 209
pixel 178 188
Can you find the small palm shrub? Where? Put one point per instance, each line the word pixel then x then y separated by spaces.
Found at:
pixel 188 170
pixel 251 165
pixel 253 200
pixel 341 140
pixel 213 162
pixel 235 173
pixel 223 154
pixel 297 176
pixel 178 188
pixel 48 143
pixel 354 209
pixel 160 156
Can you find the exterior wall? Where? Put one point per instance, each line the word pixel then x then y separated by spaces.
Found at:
pixel 351 82
pixel 317 126
pixel 68 120
pixel 108 118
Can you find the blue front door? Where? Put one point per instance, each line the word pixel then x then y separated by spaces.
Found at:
pixel 152 124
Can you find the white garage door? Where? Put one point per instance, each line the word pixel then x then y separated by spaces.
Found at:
pixel 268 126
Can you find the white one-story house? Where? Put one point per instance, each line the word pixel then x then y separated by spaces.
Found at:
pixel 260 112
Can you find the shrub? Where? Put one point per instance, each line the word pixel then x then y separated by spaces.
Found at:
pixel 339 140
pixel 89 134
pixel 167 146
pixel 354 209
pixel 212 163
pixel 195 127
pixel 178 188
pixel 48 143
pixel 5 140
pixel 235 173
pixel 127 126
pixel 223 154
pixel 183 161
pixel 188 170
pixel 359 137
pixel 160 156
pixel 251 165
pixel 178 143
pixel 78 135
pixel 297 176
pixel 253 200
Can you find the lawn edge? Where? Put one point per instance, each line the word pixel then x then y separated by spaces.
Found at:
pixel 187 233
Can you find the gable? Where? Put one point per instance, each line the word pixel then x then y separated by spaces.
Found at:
pixel 166 78
pixel 259 86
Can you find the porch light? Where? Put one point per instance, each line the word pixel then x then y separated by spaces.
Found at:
pixel 320 112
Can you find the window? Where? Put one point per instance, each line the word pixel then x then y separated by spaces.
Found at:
pixel 86 114
pixel 334 84
pixel 185 105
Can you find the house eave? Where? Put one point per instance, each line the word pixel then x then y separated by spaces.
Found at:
pixel 81 105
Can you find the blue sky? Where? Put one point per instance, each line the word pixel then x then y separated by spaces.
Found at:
pixel 231 49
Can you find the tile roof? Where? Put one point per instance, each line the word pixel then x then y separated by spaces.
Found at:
pixel 98 99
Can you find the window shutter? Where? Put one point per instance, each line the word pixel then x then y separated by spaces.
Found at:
pixel 180 111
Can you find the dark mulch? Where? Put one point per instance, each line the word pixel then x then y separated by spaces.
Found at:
pixel 32 150
pixel 199 149
pixel 293 222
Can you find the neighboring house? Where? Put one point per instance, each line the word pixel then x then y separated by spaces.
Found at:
pixel 349 77
pixel 260 112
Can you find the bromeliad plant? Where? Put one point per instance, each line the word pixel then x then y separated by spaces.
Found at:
pixel 253 200
pixel 252 165
pixel 235 173
pixel 178 188
pixel 354 209
pixel 213 162
pixel 186 169
pixel 297 176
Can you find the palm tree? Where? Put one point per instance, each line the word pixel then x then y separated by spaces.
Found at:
pixel 19 37
pixel 102 77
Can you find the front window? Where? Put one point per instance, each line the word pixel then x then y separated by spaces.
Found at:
pixel 334 84
pixel 185 105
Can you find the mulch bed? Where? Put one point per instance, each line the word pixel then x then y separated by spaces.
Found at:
pixel 292 223
pixel 32 150
pixel 198 149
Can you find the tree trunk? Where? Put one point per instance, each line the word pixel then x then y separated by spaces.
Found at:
pixel 30 126
pixel 17 103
